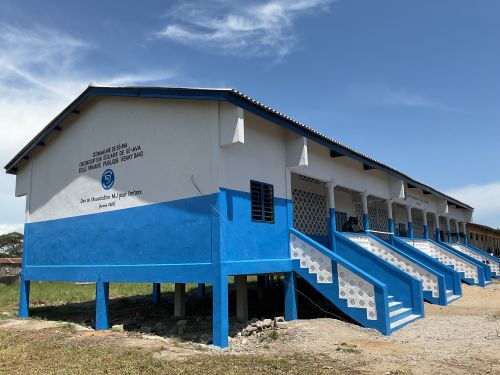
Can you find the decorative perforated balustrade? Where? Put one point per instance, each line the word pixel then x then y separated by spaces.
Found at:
pixel 494 265
pixel 358 292
pixel 309 210
pixel 431 226
pixel 445 257
pixel 377 218
pixel 429 280
pixel 418 224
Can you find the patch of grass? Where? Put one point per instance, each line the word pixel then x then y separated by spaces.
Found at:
pixel 45 352
pixel 176 341
pixel 347 348
pixel 55 294
pixel 70 327
pixel 269 336
pixel 273 335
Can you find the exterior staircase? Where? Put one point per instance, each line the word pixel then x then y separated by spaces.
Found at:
pixel 452 279
pixel 433 282
pixel 471 271
pixel 481 256
pixel 366 293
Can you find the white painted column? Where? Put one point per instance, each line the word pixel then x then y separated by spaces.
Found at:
pixel 426 226
pixel 410 221
pixel 180 301
pixel 332 224
pixel 364 201
pixel 390 216
pixel 438 230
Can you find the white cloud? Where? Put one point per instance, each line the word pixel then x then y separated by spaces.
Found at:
pixel 377 95
pixel 41 71
pixel 484 198
pixel 239 28
pixel 9 228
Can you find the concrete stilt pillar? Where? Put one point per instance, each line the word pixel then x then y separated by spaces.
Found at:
pixel 410 221
pixel 364 202
pixel 155 298
pixel 101 305
pixel 241 298
pixel 426 226
pixel 332 225
pixel 261 286
pixel 180 301
pixel 24 298
pixel 290 296
pixel 220 325
pixel 458 230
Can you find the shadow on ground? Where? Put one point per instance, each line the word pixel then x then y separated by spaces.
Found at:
pixel 140 315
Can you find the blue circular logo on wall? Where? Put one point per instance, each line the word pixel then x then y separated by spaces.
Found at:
pixel 108 179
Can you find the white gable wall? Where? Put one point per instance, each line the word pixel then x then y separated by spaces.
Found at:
pixel 176 139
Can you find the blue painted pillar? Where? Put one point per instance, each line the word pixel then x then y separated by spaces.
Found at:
pixel 457 228
pixel 426 227
pixel 438 230
pixel 24 298
pixel 200 290
pixel 364 201
pixel 410 222
pixel 290 296
pixel 220 325
pixel 155 298
pixel 390 219
pixel 466 240
pixel 332 225
pixel 101 305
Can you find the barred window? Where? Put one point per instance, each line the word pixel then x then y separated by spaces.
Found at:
pixel 262 196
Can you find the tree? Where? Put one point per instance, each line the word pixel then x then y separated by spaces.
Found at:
pixel 11 245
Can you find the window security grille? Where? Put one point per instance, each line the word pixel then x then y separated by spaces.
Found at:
pixel 262 196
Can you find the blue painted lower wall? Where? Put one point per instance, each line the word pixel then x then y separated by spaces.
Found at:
pixel 188 240
pixel 245 240
pixel 176 232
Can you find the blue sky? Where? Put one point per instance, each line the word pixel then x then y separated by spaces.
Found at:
pixel 415 84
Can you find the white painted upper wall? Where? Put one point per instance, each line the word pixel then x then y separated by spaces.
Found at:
pixel 214 144
pixel 166 145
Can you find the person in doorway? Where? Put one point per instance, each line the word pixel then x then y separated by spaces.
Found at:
pixel 351 225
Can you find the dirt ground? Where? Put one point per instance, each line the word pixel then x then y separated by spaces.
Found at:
pixel 463 338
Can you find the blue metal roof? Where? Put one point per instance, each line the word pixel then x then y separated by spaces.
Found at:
pixel 229 95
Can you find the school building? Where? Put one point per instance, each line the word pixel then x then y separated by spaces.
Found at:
pixel 189 185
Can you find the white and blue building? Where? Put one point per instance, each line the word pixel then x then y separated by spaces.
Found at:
pixel 185 185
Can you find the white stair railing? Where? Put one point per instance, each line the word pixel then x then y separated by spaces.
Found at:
pixel 358 292
pixel 445 257
pixel 429 280
pixel 495 266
